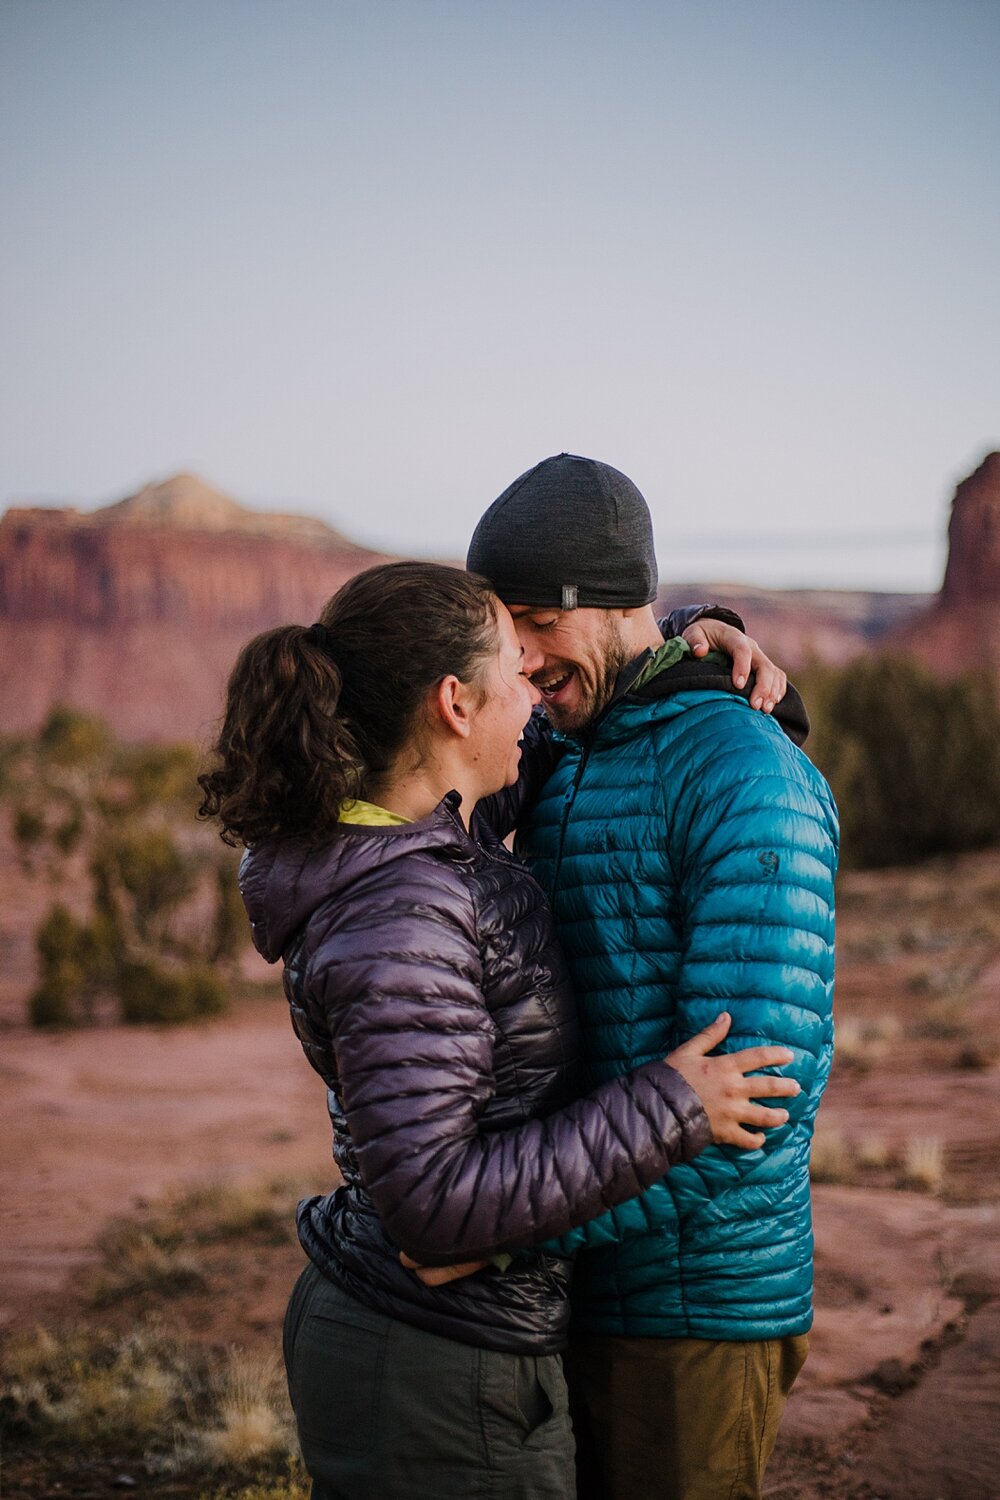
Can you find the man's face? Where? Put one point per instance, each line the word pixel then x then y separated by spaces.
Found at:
pixel 573 657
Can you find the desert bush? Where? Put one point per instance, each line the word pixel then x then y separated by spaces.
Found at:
pixel 148 992
pixel 165 924
pixel 229 926
pixel 29 826
pixel 70 738
pixel 72 967
pixel 159 776
pixel 150 868
pixel 914 762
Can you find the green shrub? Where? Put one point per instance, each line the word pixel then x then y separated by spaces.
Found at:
pixel 229 927
pixel 161 775
pixel 54 1000
pixel 73 969
pixel 153 871
pixel 71 738
pixel 156 892
pixel 914 762
pixel 149 993
pixel 29 826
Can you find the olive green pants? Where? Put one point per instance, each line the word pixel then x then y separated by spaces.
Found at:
pixel 677 1419
pixel 389 1412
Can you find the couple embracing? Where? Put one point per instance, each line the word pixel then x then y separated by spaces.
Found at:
pixel 572 1091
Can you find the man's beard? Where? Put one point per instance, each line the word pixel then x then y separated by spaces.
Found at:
pixel 579 719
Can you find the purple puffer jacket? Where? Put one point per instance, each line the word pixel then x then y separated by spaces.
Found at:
pixel 427 989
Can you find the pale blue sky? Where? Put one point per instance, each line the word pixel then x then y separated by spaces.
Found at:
pixel 371 260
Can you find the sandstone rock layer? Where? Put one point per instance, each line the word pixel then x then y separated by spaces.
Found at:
pixel 136 612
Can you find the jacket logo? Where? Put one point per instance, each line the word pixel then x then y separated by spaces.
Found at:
pixel 769 861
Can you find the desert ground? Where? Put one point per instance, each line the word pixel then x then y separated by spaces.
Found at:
pixel 148 1178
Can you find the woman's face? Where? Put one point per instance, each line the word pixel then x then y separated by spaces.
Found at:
pixel 496 727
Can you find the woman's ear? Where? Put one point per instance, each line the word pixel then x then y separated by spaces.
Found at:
pixel 450 703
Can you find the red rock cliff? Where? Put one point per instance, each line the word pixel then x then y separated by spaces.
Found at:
pixel 973 572
pixel 961 629
pixel 136 612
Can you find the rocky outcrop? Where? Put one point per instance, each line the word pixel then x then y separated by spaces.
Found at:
pixel 961 629
pixel 973 572
pixel 136 611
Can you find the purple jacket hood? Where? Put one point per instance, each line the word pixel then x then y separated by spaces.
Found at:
pixel 283 881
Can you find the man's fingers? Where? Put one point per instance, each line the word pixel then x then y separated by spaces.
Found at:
pixel 742 660
pixel 696 639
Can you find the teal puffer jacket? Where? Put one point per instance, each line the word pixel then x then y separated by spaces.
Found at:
pixel 689 850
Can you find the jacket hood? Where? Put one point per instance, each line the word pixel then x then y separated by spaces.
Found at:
pixel 283 881
pixel 694 674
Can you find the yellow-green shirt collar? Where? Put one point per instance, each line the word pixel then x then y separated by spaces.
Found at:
pixel 369 813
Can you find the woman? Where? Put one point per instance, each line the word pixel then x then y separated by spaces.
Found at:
pixel 372 764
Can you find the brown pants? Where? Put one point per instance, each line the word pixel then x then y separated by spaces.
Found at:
pixel 677 1419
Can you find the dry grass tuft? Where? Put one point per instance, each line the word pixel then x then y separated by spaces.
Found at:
pixel 874 1154
pixel 832 1159
pixel 837 1158
pixel 76 1389
pixel 156 1251
pixel 183 1411
pixel 135 1259
pixel 945 1020
pixel 224 1210
pixel 861 1042
pixel 294 1486
pixel 923 1164
pixel 246 1418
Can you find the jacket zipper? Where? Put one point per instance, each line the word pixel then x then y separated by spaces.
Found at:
pixel 569 797
pixel 618 696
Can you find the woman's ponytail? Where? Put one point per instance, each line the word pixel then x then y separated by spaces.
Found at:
pixel 287 761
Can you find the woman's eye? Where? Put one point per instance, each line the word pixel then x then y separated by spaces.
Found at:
pixel 543 624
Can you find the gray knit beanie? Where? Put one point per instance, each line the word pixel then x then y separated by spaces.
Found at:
pixel 569 533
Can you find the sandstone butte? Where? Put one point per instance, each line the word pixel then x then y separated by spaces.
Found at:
pixel 136 611
pixel 961 627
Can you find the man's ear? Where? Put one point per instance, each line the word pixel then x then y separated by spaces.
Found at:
pixel 449 702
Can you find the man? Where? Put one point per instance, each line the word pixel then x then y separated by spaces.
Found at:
pixel 688 848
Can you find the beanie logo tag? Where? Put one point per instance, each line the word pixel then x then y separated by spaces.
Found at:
pixel 569 595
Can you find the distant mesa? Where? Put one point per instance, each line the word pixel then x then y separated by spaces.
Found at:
pixel 185 502
pixel 960 630
pixel 135 611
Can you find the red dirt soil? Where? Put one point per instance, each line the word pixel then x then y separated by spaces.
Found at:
pixel 901 1396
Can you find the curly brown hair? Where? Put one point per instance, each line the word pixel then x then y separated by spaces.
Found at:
pixel 313 719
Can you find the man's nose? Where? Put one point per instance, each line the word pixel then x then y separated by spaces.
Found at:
pixel 533 659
